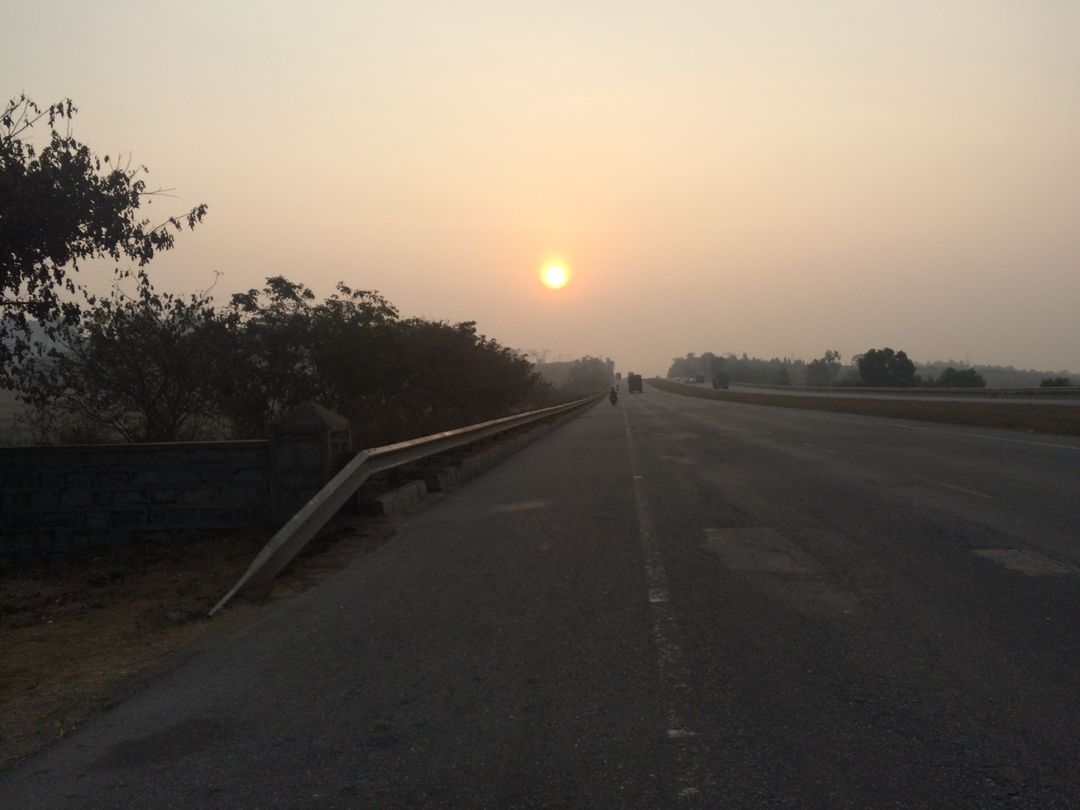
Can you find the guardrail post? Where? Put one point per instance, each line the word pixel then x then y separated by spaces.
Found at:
pixel 308 445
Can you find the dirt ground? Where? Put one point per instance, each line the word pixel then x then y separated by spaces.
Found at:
pixel 77 638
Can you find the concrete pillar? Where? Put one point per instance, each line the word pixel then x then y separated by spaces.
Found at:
pixel 308 445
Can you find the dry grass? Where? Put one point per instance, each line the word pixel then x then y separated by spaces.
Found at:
pixel 78 637
pixel 1029 417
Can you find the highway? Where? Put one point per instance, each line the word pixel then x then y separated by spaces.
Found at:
pixel 672 602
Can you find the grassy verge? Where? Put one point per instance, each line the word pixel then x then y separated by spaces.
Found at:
pixel 1032 418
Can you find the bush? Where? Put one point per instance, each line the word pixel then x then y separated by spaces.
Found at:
pixel 162 368
pixel 143 368
pixel 962 378
pixel 1055 382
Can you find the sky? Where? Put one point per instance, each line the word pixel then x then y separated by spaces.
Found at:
pixel 775 178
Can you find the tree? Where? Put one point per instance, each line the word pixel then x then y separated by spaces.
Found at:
pixel 60 205
pixel 884 368
pixel 1055 382
pixel 962 378
pixel 823 370
pixel 142 367
pixel 589 375
pixel 391 378
pixel 289 348
pixel 686 366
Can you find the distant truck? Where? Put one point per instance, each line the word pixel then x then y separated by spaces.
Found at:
pixel 721 380
pixel 633 383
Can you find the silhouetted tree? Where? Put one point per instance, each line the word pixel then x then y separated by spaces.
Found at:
pixel 61 204
pixel 775 371
pixel 960 378
pixel 712 365
pixel 823 371
pixel 1055 382
pixel 885 368
pixel 143 367
pixel 572 379
pixel 289 348
pixel 392 378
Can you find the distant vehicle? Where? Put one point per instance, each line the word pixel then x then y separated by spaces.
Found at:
pixel 633 383
pixel 721 380
pixel 698 378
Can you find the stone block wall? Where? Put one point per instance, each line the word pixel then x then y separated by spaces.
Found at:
pixel 58 500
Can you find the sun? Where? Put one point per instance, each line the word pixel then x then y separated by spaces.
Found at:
pixel 555 276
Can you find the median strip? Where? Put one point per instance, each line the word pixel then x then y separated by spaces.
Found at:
pixel 1030 417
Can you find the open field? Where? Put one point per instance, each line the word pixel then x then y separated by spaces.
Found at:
pixel 1030 417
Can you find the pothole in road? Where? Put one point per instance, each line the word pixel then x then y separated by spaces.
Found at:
pixel 520 506
pixel 679 460
pixel 759 549
pixel 780 568
pixel 684 436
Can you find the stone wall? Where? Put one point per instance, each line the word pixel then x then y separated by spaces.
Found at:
pixel 59 500
pixel 56 500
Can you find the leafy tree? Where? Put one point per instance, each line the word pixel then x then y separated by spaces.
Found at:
pixel 1055 382
pixel 962 378
pixel 391 378
pixel 572 379
pixel 686 366
pixel 713 365
pixel 288 349
pixel 885 368
pixel 141 367
pixel 775 371
pixel 60 205
pixel 824 370
pixel 449 376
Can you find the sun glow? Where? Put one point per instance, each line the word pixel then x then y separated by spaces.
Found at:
pixel 555 276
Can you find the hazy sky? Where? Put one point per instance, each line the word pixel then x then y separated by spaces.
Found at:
pixel 770 178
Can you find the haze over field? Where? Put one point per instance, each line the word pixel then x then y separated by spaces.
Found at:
pixel 771 178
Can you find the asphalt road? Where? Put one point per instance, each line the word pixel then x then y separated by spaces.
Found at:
pixel 673 602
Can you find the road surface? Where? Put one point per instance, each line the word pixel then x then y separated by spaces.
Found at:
pixel 673 602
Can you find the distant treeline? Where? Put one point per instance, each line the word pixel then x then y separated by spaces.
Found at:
pixel 875 367
pixel 158 367
pixel 573 379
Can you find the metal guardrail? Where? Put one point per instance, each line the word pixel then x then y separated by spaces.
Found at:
pixel 302 527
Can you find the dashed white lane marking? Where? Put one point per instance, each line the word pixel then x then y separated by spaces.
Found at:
pixel 824 449
pixel 674 678
pixel 965 490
